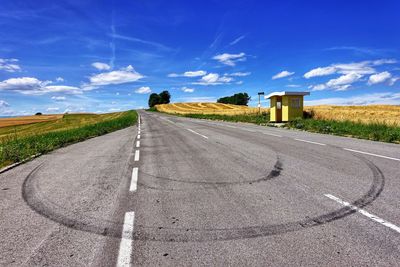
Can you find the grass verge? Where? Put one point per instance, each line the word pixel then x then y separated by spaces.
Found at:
pixel 14 148
pixel 371 131
pixel 259 119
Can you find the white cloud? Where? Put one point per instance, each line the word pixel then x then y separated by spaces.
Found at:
pixel 320 72
pixel 58 98
pixel 4 104
pixel 393 80
pixel 143 90
pixel 238 74
pixel 387 98
pixel 187 90
pixel 344 79
pixel 9 65
pixel 318 87
pixel 59 79
pixel 237 40
pixel 282 74
pixel 125 75
pixel 101 66
pixel 293 85
pixel 33 86
pixel 379 77
pixel 194 73
pixel 189 74
pixel 363 68
pixel 52 109
pixel 214 79
pixel 230 59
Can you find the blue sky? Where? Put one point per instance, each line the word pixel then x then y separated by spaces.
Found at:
pixel 103 56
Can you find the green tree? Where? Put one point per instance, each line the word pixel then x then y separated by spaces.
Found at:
pixel 236 99
pixel 154 99
pixel 165 97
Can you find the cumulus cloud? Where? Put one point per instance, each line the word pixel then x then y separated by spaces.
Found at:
pixel 101 66
pixel 365 99
pixel 143 90
pixel 238 74
pixel 350 73
pixel 379 77
pixel 230 59
pixel 59 79
pixel 125 75
pixel 187 90
pixel 282 74
pixel 51 109
pixel 9 65
pixel 189 74
pixel 363 68
pixel 34 86
pixel 58 98
pixel 213 79
pixel 4 104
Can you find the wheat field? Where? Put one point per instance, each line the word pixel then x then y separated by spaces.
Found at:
pixel 383 114
pixel 207 108
pixel 4 122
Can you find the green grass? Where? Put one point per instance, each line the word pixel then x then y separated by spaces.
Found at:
pixel 39 138
pixel 250 118
pixel 373 131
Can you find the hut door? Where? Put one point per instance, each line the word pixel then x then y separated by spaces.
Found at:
pixel 279 109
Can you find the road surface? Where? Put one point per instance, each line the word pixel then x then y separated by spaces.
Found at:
pixel 181 192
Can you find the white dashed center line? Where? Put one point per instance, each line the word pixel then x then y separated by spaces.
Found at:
pixel 138 137
pixel 138 143
pixel 137 154
pixel 365 213
pixel 311 142
pixel 134 179
pixel 197 133
pixel 371 154
pixel 125 247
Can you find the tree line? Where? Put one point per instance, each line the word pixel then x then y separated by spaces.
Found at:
pixel 236 99
pixel 162 98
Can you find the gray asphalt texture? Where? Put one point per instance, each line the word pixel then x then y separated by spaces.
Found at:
pixel 236 195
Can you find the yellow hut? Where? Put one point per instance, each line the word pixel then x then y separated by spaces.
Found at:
pixel 285 106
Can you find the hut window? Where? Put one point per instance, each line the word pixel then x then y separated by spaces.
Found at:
pixel 296 103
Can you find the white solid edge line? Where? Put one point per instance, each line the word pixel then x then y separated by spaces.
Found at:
pixel 365 213
pixel 137 153
pixel 371 154
pixel 137 143
pixel 125 247
pixel 277 135
pixel 311 142
pixel 197 133
pixel 134 179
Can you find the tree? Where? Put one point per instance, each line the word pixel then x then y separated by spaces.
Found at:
pixel 38 113
pixel 154 99
pixel 236 99
pixel 165 97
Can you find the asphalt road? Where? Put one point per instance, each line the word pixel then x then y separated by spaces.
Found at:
pixel 195 192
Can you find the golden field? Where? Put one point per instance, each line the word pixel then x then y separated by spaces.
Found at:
pixel 4 122
pixel 207 108
pixel 383 114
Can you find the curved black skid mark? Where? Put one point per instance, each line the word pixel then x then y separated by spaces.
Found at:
pixel 46 208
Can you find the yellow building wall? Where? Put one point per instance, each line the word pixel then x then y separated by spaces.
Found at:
pixel 272 110
pixel 289 112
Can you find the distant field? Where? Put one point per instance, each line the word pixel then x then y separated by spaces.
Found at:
pixel 33 125
pixel 381 114
pixel 20 142
pixel 28 119
pixel 207 108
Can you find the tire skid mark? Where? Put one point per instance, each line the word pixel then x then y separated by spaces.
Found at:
pixel 43 206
